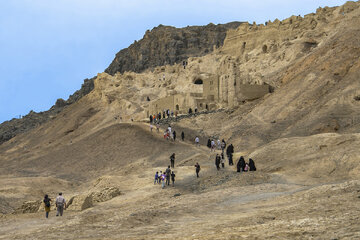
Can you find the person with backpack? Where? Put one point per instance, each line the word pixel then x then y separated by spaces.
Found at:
pixel 47 205
pixel 173 178
pixel 197 168
pixel 60 204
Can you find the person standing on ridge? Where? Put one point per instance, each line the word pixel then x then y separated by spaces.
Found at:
pixel 60 204
pixel 172 160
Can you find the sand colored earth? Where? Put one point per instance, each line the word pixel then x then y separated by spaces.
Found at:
pixel 304 137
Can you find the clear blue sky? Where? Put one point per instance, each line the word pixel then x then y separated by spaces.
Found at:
pixel 48 47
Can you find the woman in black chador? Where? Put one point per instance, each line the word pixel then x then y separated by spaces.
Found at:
pixel 209 143
pixel 241 164
pixel 252 165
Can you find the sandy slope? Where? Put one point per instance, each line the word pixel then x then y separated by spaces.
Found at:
pixel 304 138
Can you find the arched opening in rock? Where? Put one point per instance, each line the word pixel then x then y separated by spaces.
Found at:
pixel 198 81
pixel 177 107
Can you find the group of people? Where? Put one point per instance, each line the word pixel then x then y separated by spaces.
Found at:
pixel 166 113
pixel 163 178
pixel 169 134
pixel 213 145
pixel 243 166
pixel 60 204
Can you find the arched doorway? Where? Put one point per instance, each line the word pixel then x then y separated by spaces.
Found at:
pixel 198 81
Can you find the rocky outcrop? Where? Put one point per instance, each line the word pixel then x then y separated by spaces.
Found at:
pixel 168 45
pixel 29 207
pixel 84 201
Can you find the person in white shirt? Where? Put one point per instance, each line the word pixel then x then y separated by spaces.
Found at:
pixel 197 140
pixel 60 204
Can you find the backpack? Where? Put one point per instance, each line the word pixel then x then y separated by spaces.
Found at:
pixel 47 202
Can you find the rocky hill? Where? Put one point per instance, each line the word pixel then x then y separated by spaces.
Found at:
pixel 168 45
pixel 162 45
pixel 303 136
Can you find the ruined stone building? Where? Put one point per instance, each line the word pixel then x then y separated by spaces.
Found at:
pixel 210 93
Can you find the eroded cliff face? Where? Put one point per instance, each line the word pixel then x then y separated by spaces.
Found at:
pixel 168 45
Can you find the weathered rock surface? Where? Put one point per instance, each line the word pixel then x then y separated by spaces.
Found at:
pixel 84 201
pixel 168 45
pixel 29 207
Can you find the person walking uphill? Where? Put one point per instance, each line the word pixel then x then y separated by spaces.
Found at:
pixel 252 165
pixel 47 204
pixel 60 204
pixel 182 136
pixel 174 135
pixel 173 178
pixel 217 161
pixel 197 168
pixel 168 174
pixel 229 153
pixel 241 164
pixel 172 160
